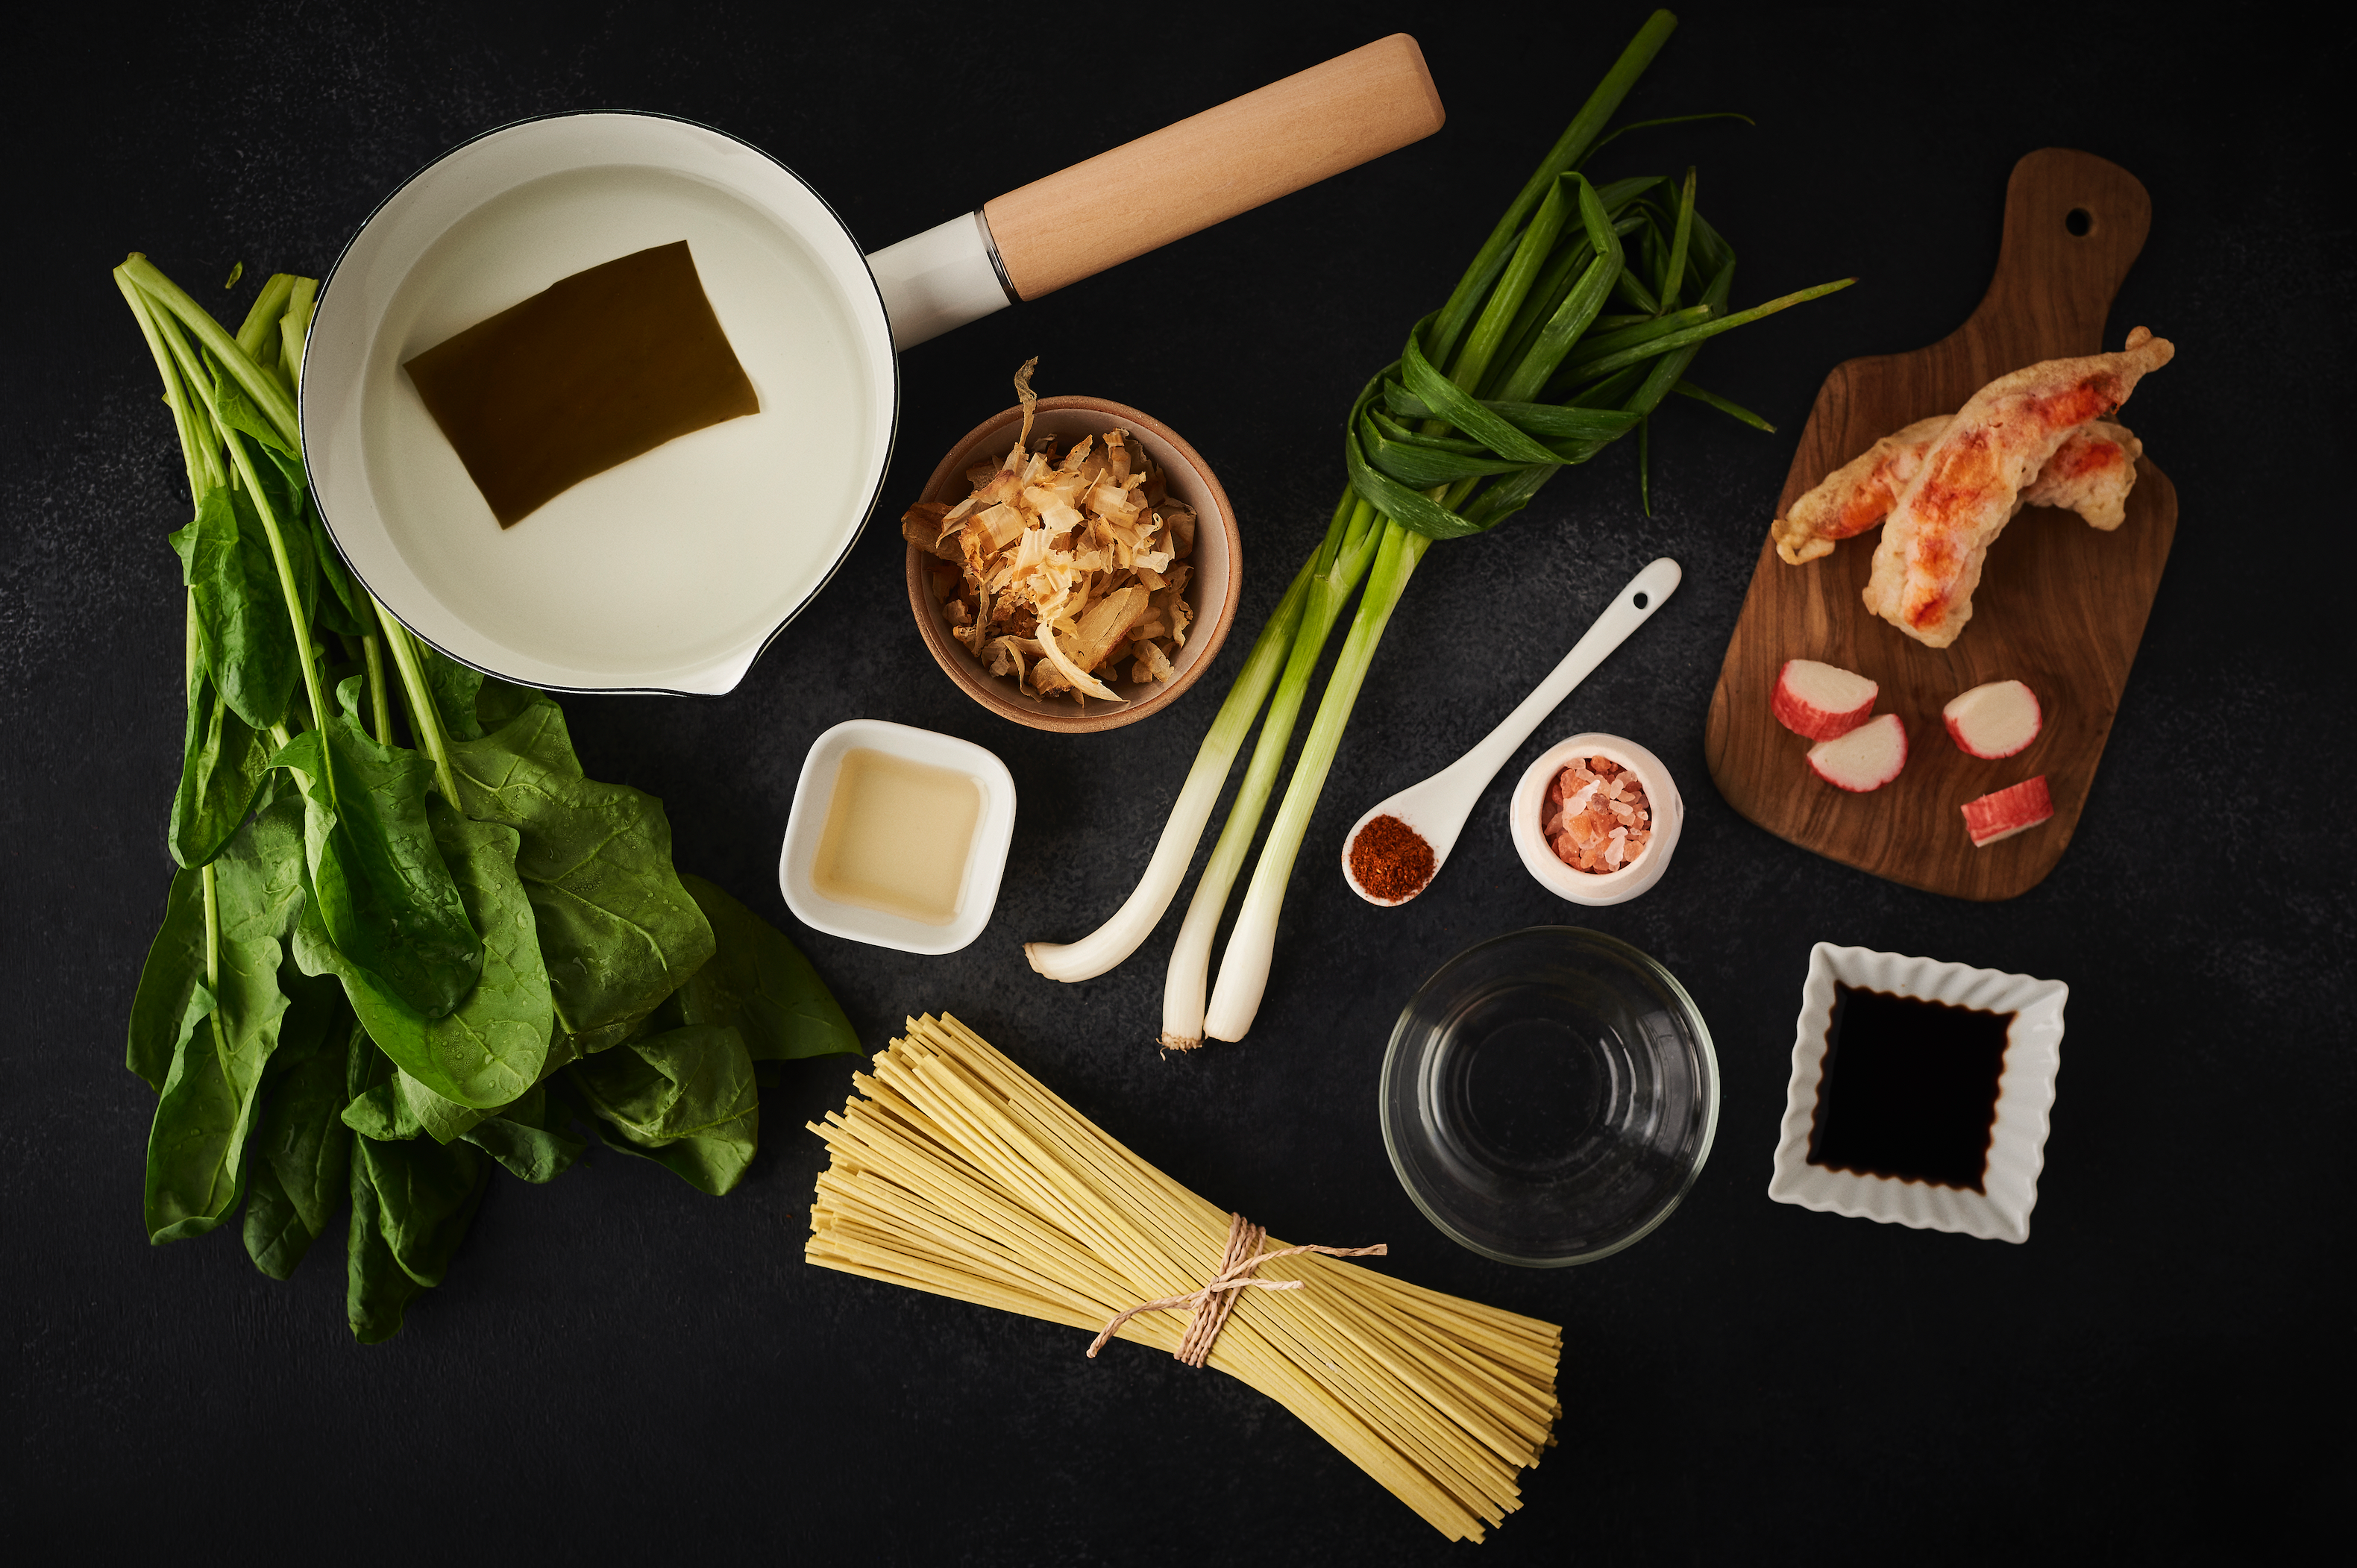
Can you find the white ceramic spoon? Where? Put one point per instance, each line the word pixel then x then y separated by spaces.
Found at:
pixel 1437 809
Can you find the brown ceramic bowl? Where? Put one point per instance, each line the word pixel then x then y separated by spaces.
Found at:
pixel 1218 561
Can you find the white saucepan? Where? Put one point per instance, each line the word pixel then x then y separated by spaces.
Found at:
pixel 671 572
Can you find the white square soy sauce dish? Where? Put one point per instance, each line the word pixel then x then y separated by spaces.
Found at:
pixel 2025 1097
pixel 985 858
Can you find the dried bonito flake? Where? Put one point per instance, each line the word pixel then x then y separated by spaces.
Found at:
pixel 1065 566
pixel 1596 817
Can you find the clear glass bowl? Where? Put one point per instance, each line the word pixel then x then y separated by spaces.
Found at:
pixel 1549 1096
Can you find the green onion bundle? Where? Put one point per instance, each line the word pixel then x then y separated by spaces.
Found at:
pixel 386 969
pixel 1520 374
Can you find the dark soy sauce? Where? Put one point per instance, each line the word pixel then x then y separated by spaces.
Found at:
pixel 588 373
pixel 1908 1088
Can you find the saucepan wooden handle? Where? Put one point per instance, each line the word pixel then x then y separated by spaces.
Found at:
pixel 1224 161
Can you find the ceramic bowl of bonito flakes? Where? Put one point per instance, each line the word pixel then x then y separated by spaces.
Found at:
pixel 1108 522
pixel 1596 819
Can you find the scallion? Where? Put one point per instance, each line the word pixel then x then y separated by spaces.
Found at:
pixel 1536 378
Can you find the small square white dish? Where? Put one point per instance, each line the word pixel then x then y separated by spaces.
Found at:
pixel 2016 1146
pixel 986 860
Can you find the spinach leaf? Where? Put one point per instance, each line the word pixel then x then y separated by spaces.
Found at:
pixel 498 701
pixel 242 631
pixel 376 1292
pixel 411 1206
pixel 685 1099
pixel 455 688
pixel 759 982
pixel 196 1147
pixel 384 892
pixel 278 465
pixel 403 1108
pixel 223 761
pixel 172 996
pixel 237 412
pixel 529 1137
pixel 378 1112
pixel 425 1195
pixel 345 607
pixel 275 1236
pixel 491 1048
pixel 619 932
pixel 317 1017
pixel 299 1164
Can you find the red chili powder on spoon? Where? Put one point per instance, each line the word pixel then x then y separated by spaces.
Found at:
pixel 1390 860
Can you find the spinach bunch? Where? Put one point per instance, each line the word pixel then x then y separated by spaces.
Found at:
pixel 393 961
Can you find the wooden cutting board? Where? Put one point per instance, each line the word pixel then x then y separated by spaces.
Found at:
pixel 2060 605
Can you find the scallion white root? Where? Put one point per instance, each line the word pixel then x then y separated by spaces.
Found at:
pixel 1340 564
pixel 1119 937
pixel 1243 967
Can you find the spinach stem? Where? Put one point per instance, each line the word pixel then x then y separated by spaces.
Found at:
pixel 424 723
pixel 213 962
pixel 203 470
pixel 276 403
pixel 295 330
pixel 279 558
pixel 258 334
pixel 380 707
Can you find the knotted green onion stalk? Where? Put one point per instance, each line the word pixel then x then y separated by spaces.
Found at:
pixel 1538 376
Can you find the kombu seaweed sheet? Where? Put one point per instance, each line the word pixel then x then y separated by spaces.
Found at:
pixel 590 372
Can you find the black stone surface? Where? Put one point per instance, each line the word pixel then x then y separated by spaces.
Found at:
pixel 619 1366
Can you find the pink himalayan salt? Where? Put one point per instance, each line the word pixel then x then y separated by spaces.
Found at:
pixel 1596 817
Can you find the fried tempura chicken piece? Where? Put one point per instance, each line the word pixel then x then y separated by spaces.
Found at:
pixel 2090 474
pixel 1972 480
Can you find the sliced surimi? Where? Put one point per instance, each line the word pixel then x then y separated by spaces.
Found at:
pixel 1865 758
pixel 1820 701
pixel 1994 720
pixel 2001 814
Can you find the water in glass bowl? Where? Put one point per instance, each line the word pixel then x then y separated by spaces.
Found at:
pixel 1549 1096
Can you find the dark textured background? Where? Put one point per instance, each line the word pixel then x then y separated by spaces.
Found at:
pixel 619 1365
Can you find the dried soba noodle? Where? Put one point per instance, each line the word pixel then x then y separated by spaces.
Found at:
pixel 961 1174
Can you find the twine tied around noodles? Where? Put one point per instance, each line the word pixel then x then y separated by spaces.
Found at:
pixel 1216 1300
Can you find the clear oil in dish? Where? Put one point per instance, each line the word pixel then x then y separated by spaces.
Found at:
pixel 897 836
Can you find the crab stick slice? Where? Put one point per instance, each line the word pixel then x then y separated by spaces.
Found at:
pixel 1865 758
pixel 1995 720
pixel 1820 701
pixel 2001 814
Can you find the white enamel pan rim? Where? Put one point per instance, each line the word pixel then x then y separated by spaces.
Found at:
pixel 866 302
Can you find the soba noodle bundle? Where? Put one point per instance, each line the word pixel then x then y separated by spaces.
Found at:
pixel 959 1174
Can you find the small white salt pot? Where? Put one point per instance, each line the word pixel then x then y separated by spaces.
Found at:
pixel 1526 813
pixel 985 855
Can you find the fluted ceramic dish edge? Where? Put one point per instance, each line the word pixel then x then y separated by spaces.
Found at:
pixel 2033 1056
